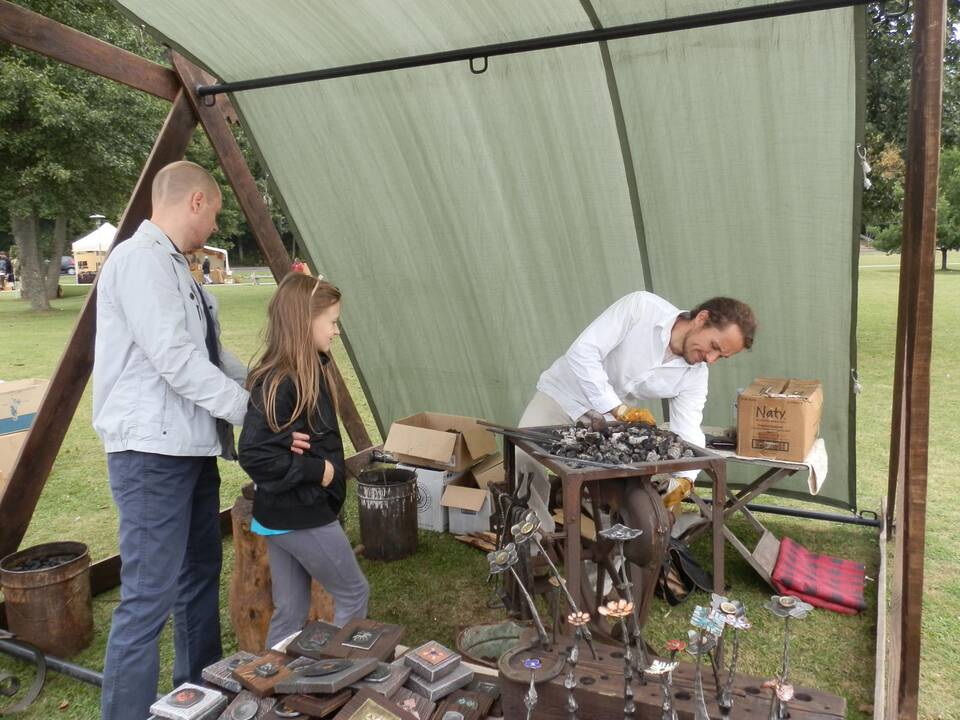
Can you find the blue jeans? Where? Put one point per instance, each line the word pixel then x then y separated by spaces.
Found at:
pixel 171 558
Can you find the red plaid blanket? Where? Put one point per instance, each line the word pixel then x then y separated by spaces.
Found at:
pixel 822 580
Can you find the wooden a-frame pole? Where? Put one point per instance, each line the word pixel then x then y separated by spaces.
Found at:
pixel 63 394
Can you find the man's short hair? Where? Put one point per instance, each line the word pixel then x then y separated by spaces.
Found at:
pixel 723 311
pixel 179 179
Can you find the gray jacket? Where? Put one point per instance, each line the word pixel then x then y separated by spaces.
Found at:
pixel 154 387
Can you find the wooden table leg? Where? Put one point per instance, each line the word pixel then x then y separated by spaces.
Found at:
pixel 718 472
pixel 571 527
pixel 509 465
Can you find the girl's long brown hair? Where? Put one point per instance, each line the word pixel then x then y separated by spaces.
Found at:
pixel 290 352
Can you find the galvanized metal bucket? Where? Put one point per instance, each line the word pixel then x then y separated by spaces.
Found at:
pixel 49 607
pixel 387 500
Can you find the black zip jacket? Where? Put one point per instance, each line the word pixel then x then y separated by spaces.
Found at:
pixel 289 494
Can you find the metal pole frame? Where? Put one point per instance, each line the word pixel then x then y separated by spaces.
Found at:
pixel 549 42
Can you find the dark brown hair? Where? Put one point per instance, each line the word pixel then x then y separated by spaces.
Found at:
pixel 723 311
pixel 290 351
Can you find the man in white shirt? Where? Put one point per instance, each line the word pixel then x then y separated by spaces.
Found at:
pixel 638 351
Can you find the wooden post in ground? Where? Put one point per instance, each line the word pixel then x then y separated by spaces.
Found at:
pixel 66 387
pixel 910 436
pixel 258 216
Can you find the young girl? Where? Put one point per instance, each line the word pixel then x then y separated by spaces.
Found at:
pixel 299 494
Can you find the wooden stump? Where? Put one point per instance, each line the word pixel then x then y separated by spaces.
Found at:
pixel 251 604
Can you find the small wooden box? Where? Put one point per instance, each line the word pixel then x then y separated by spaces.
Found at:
pixel 365 639
pixel 256 682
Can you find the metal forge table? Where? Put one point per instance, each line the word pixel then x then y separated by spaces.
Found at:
pixel 574 479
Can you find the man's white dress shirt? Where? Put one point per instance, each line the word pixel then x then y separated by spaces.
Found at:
pixel 624 357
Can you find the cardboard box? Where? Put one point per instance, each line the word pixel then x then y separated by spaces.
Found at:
pixel 19 401
pixel 488 472
pixel 431 515
pixel 442 442
pixel 468 507
pixel 779 418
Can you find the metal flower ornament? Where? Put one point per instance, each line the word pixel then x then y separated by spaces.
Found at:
pixel 503 560
pixel 702 641
pixel 664 670
pixel 528 530
pixel 734 615
pixel 789 608
pixel 578 621
pixel 620 610
pixel 530 700
pixel 621 534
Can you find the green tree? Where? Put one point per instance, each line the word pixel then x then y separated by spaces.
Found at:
pixel 889 237
pixel 889 55
pixel 71 143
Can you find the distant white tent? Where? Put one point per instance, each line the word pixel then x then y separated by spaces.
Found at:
pixel 97 241
pixel 90 251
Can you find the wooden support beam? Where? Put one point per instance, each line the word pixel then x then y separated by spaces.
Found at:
pixel 235 168
pixel 919 238
pixel 258 216
pixel 31 31
pixel 70 378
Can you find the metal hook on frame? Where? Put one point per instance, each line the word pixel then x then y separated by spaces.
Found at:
pixel 900 8
pixel 474 68
pixel 207 100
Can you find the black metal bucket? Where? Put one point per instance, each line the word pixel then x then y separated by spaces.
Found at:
pixel 387 499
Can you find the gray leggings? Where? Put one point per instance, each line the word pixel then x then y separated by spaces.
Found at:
pixel 323 553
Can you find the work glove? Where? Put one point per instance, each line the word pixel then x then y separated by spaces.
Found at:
pixel 627 414
pixel 592 420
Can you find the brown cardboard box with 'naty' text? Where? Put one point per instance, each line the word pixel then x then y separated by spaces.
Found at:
pixel 779 418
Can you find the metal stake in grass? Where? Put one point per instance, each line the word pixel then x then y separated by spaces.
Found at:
pixel 786 607
pixel 621 534
pixel 528 530
pixel 578 621
pixel 503 560
pixel 621 610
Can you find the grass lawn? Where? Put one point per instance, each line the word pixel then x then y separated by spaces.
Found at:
pixel 831 652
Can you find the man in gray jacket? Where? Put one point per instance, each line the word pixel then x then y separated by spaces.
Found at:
pixel 164 396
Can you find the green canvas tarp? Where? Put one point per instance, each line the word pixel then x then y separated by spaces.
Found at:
pixel 477 222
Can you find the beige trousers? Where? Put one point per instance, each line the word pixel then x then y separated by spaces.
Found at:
pixel 542 410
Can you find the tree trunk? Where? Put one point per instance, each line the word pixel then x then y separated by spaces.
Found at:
pixel 32 285
pixel 943 257
pixel 56 252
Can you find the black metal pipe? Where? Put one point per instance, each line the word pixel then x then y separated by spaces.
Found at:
pixel 809 514
pixel 61 666
pixel 619 32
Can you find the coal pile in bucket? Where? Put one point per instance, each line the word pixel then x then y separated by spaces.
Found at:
pixel 47 562
pixel 626 445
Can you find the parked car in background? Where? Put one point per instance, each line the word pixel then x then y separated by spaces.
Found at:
pixel 68 265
